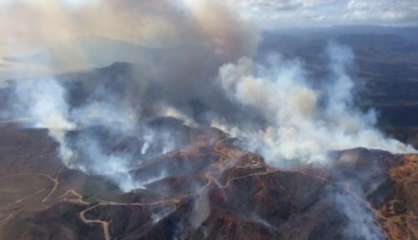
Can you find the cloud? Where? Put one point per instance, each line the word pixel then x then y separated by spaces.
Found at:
pixel 288 13
pixel 383 11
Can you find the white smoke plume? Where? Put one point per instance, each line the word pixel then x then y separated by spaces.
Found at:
pixel 55 36
pixel 42 103
pixel 115 166
pixel 361 223
pixel 108 114
pixel 180 47
pixel 78 35
pixel 304 123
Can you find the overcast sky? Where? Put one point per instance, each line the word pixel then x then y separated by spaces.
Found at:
pixel 290 13
pixel 27 27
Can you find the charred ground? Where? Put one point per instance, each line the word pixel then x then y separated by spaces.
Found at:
pixel 212 189
pixel 209 186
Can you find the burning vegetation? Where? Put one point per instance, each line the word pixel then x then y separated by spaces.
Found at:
pixel 190 133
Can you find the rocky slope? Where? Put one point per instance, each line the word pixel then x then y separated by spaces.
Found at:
pixel 210 189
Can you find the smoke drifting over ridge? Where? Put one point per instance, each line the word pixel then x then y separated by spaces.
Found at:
pixel 194 61
pixel 44 105
pixel 303 122
pixel 273 106
pixel 161 81
pixel 62 35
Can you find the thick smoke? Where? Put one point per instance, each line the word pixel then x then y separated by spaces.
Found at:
pixel 101 138
pixel 191 60
pixel 273 105
pixel 42 103
pixel 175 50
pixel 61 35
pixel 304 122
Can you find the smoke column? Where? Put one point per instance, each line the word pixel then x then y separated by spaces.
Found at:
pixel 42 103
pixel 182 33
pixel 192 60
pixel 303 123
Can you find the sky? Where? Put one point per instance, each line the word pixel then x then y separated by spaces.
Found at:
pixel 40 30
pixel 272 14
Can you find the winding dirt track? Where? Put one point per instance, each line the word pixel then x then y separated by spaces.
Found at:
pixel 224 155
pixel 105 224
pixel 74 197
pixel 210 180
pixel 16 207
